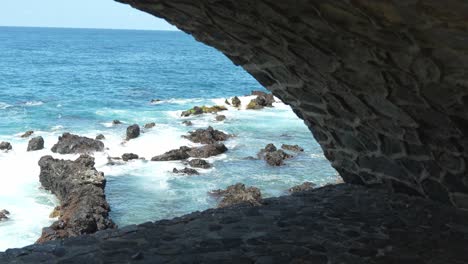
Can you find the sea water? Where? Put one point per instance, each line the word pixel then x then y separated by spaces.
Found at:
pixel 78 80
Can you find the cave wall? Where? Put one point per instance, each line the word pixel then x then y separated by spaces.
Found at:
pixel 382 85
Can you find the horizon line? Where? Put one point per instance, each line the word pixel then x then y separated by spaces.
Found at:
pixel 58 27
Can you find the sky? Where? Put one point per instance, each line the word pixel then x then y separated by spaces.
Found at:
pixel 77 14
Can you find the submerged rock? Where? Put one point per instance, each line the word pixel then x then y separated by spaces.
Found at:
pixel 80 189
pixel 199 163
pixel 207 150
pixel 295 148
pixel 27 134
pixel 100 137
pixel 71 144
pixel 150 125
pixel 116 122
pixel 198 110
pixel 206 136
pixel 175 154
pixel 36 143
pixel 187 123
pixel 129 156
pixel 133 131
pixel 186 170
pixel 5 146
pixel 238 194
pixel 306 186
pixel 220 117
pixel 236 102
pixel 4 215
pixel 153 101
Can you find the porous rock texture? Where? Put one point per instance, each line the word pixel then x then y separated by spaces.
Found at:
pixel 80 189
pixel 338 224
pixel 72 144
pixel 382 85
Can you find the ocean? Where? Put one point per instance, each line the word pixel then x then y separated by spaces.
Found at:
pixel 78 80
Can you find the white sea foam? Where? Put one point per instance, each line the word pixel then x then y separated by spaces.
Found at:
pixel 33 103
pixel 178 101
pixel 4 105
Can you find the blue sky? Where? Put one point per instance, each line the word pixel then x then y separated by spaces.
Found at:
pixel 77 14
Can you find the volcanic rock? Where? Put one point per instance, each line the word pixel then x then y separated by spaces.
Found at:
pixel 306 186
pixel 71 144
pixel 116 122
pixel 100 137
pixel 238 194
pixel 187 123
pixel 295 148
pixel 206 136
pixel 207 150
pixel 150 125
pixel 27 134
pixel 5 146
pixel 220 117
pixel 36 143
pixel 199 163
pixel 175 154
pixel 4 215
pixel 129 156
pixel 236 102
pixel 133 131
pixel 186 170
pixel 198 110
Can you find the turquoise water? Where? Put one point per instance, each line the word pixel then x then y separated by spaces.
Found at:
pixel 73 80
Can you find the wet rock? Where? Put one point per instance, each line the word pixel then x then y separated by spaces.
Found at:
pixel 186 170
pixel 199 163
pixel 36 143
pixel 263 100
pixel 207 150
pixel 100 137
pixel 268 148
pixel 71 144
pixel 116 122
pixel 133 131
pixel 207 136
pixel 129 156
pixel 306 186
pixel 236 102
pixel 4 215
pixel 175 154
pixel 55 213
pixel 187 123
pixel 273 156
pixel 227 102
pixel 5 146
pixel 198 110
pixel 27 134
pixel 154 101
pixel 80 189
pixel 295 148
pixel 150 125
pixel 238 194
pixel 220 118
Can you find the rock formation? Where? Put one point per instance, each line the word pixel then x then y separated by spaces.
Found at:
pixel 198 110
pixel 5 146
pixel 36 143
pixel 100 137
pixel 72 144
pixel 238 194
pixel 129 156
pixel 236 102
pixel 27 134
pixel 197 152
pixel 306 186
pixel 273 156
pixel 207 136
pixel 4 215
pixel 175 154
pixel 187 171
pixel 294 148
pixel 80 189
pixel 220 118
pixel 150 125
pixel 116 122
pixel 199 163
pixel 133 131
pixel 187 123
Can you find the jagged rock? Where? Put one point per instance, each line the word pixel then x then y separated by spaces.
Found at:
pixel 150 125
pixel 199 163
pixel 295 148
pixel 207 150
pixel 207 136
pixel 220 117
pixel 129 156
pixel 133 131
pixel 227 102
pixel 55 213
pixel 238 194
pixel 186 170
pixel 175 154
pixel 116 122
pixel 306 186
pixel 261 101
pixel 187 123
pixel 236 102
pixel 100 137
pixel 80 189
pixel 4 215
pixel 71 144
pixel 27 134
pixel 5 146
pixel 268 148
pixel 203 110
pixel 36 143
pixel 273 156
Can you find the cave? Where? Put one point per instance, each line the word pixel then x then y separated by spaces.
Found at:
pixel 383 87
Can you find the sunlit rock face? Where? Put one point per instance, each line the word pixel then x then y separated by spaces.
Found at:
pixel 383 85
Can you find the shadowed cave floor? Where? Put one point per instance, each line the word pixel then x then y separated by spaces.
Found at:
pixel 334 224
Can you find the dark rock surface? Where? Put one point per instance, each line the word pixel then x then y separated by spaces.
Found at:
pixel 306 186
pixel 175 154
pixel 187 171
pixel 207 150
pixel 5 146
pixel 133 131
pixel 36 143
pixel 150 125
pixel 238 194
pixel 100 137
pixel 4 215
pixel 220 118
pixel 129 156
pixel 295 148
pixel 381 84
pixel 331 225
pixel 198 110
pixel 71 144
pixel 80 189
pixel 236 102
pixel 199 163
pixel 207 136
pixel 187 123
pixel 27 134
pixel 272 155
pixel 116 122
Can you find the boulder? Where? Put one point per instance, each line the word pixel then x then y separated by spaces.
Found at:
pixel 207 150
pixel 306 186
pixel 5 146
pixel 27 134
pixel 116 122
pixel 220 118
pixel 36 143
pixel 262 100
pixel 198 110
pixel 294 148
pixel 175 154
pixel 236 102
pixel 268 148
pixel 238 194
pixel 207 136
pixel 80 189
pixel 199 163
pixel 100 137
pixel 129 156
pixel 187 171
pixel 150 125
pixel 4 215
pixel 227 102
pixel 71 144
pixel 273 156
pixel 133 131
pixel 187 123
